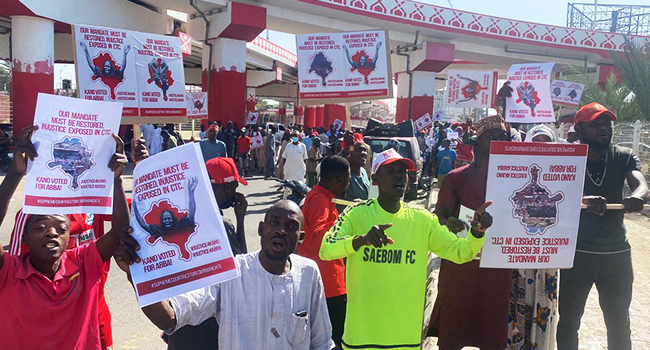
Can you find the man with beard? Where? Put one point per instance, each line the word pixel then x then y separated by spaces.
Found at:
pixel 224 179
pixel 277 303
pixel 386 243
pixel 603 253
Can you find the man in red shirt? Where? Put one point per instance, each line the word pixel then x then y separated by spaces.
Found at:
pixel 320 215
pixel 84 229
pixel 49 281
pixel 243 148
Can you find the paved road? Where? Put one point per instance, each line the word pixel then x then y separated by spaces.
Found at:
pixel 132 330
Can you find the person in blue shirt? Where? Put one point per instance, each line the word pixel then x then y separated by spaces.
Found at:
pixel 211 147
pixel 446 161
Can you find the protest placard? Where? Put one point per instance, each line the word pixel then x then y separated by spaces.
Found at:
pixel 472 89
pixel 338 124
pixel 257 141
pixel 106 66
pixel 566 93
pixel 438 115
pixel 537 194
pixel 252 118
pixel 343 67
pixel 74 144
pixel 142 70
pixel 180 230
pixel 531 98
pixel 197 107
pixel 453 139
pixel 423 122
pixel 160 73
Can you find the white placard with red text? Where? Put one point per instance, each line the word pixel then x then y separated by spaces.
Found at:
pixel 346 66
pixel 472 89
pixel 423 122
pixel 531 99
pixel 537 194
pixel 566 93
pixel 256 140
pixel 161 78
pixel 74 144
pixel 184 245
pixel 106 66
pixel 197 105
pixel 252 118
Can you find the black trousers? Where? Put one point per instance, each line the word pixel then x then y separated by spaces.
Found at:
pixel 613 276
pixel 336 307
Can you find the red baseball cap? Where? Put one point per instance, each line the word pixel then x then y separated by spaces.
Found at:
pixel 223 170
pixel 389 156
pixel 590 112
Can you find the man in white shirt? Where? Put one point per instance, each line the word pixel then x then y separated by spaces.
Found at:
pixel 153 138
pixel 278 303
pixel 294 157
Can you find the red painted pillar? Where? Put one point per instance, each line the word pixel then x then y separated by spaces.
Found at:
pixel 310 116
pixel 333 112
pixel 32 69
pixel 299 113
pixel 422 95
pixel 320 117
pixel 227 98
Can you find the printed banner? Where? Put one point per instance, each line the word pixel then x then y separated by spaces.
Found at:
pixel 349 66
pixel 531 98
pixel 338 124
pixel 566 93
pixel 74 143
pixel 183 241
pixel 537 194
pixel 197 106
pixel 256 141
pixel 106 67
pixel 472 89
pixel 252 118
pixel 143 71
pixel 423 122
pixel 161 78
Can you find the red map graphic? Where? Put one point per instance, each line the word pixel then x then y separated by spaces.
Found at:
pixel 365 71
pixel 110 81
pixel 180 237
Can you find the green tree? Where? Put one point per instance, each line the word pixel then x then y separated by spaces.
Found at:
pixel 262 105
pixel 634 63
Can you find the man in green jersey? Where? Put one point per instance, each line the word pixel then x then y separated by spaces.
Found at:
pixel 386 242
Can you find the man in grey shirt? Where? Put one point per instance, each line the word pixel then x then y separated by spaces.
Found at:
pixel 278 303
pixel 269 151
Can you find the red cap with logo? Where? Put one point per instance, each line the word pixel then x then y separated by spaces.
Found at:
pixel 590 112
pixel 223 170
pixel 389 156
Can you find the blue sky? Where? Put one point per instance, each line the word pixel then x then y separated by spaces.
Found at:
pixel 546 12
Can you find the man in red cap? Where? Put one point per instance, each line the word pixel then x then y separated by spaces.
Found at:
pixel 225 179
pixel 603 253
pixel 386 243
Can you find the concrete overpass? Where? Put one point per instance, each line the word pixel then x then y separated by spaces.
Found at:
pixel 237 66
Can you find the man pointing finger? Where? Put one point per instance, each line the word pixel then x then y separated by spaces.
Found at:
pixel 386 243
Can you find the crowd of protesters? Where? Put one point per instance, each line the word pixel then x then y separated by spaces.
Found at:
pixel 328 276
